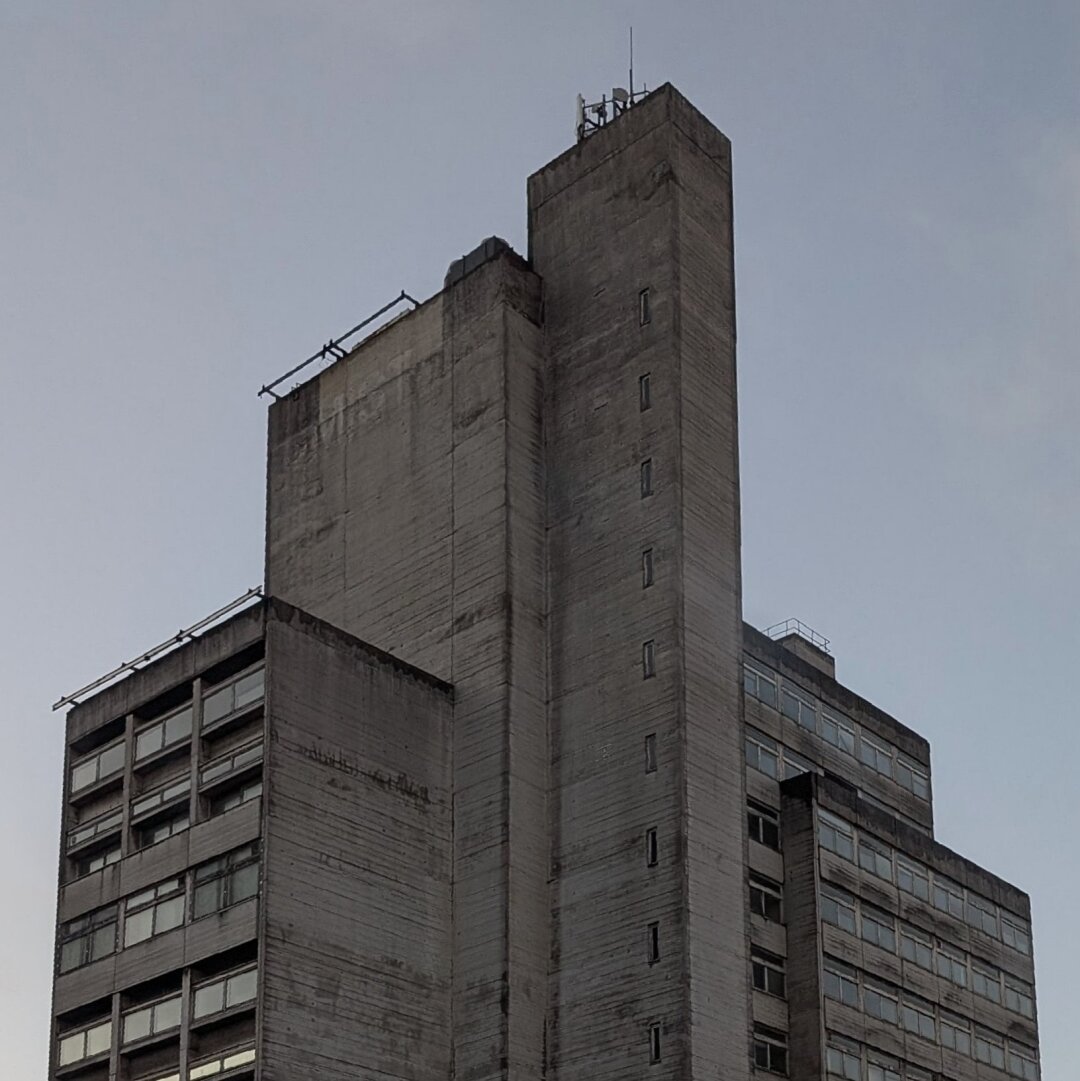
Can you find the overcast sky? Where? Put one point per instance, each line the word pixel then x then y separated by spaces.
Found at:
pixel 194 196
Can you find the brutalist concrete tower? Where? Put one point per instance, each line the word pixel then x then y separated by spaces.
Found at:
pixel 493 782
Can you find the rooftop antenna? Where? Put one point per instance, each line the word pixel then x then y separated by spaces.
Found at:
pixel 631 62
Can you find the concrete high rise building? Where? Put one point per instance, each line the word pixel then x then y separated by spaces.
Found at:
pixel 493 781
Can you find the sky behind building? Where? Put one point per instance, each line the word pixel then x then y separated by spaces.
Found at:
pixel 197 196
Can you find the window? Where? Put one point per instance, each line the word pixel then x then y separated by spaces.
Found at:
pixel 917 948
pixel 764 825
pixel 880 1002
pixel 95 828
pixel 646 568
pixel 1019 998
pixel 646 478
pixel 225 993
pixel 990 1049
pixel 948 897
pixel 878 929
pixel 650 753
pixel 154 911
pixel 88 938
pixel 835 835
pixel 85 1043
pixel 648 659
pixel 160 797
pixel 801 710
pixel 770 1050
pixel 1022 1062
pixel 231 1060
pixel 652 848
pixel 644 309
pixel 912 879
pixel 97 860
pixel 231 763
pixel 766 898
pixel 98 766
pixel 225 701
pixel 768 973
pixel 841 983
pixel 956 1034
pixel 654 1043
pixel 236 796
pixel 839 732
pixel 912 776
pixel 644 393
pixel 918 1016
pixel 653 950
pixel 152 1020
pixel 982 915
pixel 1015 934
pixel 876 755
pixel 759 685
pixel 882 1069
pixel 952 965
pixel 168 732
pixel 986 982
pixel 875 858
pixel 158 831
pixel 761 753
pixel 843 1059
pixel 226 881
pixel 838 908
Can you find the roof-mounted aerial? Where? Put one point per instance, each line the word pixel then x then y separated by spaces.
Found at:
pixel 592 117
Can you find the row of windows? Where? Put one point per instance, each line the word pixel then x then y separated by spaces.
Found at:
pixel 915 1015
pixel 841 838
pixel 847 1060
pixel 882 930
pixel 811 714
pixel 215 885
pixel 219 1065
pixel 217 705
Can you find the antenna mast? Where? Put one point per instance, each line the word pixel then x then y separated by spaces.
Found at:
pixel 631 63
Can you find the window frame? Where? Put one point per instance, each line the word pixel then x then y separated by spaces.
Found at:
pixel 769 964
pixel 769 891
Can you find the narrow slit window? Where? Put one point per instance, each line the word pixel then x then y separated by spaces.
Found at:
pixel 646 568
pixel 644 392
pixel 646 478
pixel 654 943
pixel 652 848
pixel 650 753
pixel 648 659
pixel 644 308
pixel 654 1043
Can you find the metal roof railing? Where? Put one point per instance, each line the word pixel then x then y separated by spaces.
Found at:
pixel 796 626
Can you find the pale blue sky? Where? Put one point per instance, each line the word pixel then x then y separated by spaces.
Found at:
pixel 197 195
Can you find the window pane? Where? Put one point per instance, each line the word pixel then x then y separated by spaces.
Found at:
pixel 244 883
pixel 178 727
pixel 217 705
pixel 167 1015
pixel 148 742
pixel 138 927
pixel 249 689
pixel 112 760
pixel 85 773
pixel 206 899
pixel 136 1025
pixel 170 914
pixel 241 988
pixel 99 1039
pixel 210 999
pixel 71 954
pixel 71 1048
pixel 103 941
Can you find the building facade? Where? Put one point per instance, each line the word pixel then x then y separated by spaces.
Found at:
pixel 493 781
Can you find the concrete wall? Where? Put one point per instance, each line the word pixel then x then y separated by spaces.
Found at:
pixel 406 506
pixel 356 934
pixel 643 204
